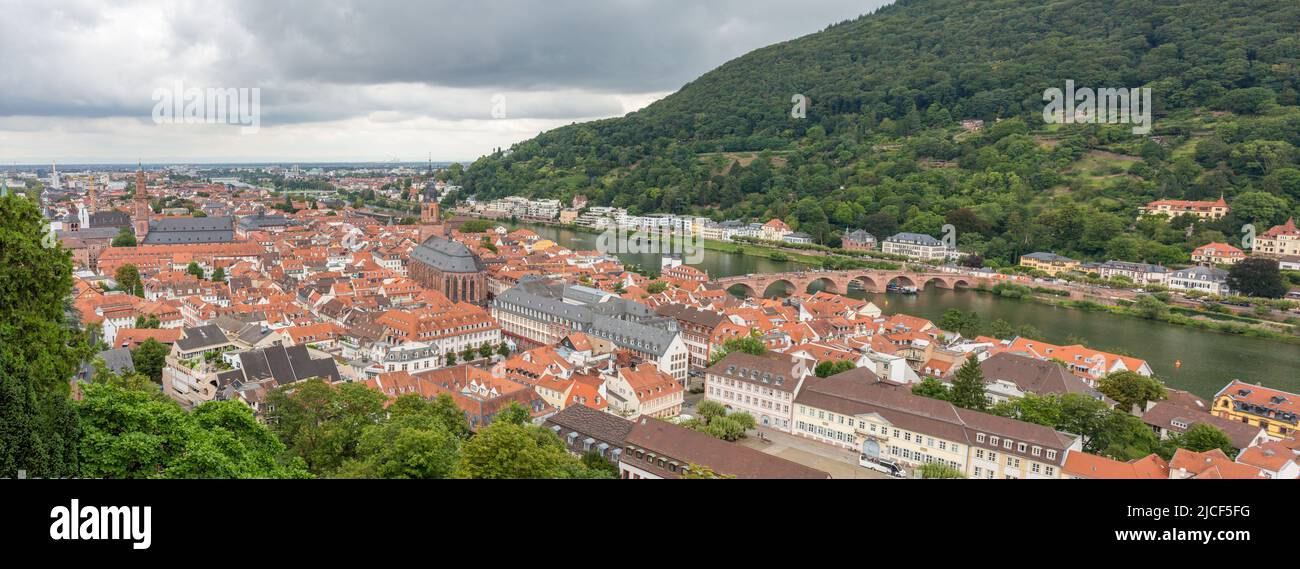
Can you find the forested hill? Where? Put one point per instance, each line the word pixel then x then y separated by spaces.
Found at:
pixel 883 148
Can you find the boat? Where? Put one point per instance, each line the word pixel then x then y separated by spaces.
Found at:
pixel 898 289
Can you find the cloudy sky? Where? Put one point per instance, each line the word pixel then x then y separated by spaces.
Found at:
pixel 357 80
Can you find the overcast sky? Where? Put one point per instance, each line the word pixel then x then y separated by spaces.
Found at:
pixel 359 80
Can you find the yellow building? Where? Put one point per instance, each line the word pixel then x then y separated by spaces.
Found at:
pixel 1049 263
pixel 1277 412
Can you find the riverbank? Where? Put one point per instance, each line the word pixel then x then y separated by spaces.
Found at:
pixel 1168 314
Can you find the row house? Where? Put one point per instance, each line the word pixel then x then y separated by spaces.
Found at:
pixel 1140 273
pixel 1201 209
pixel 884 422
pixel 1209 280
pixel 763 386
pixel 638 390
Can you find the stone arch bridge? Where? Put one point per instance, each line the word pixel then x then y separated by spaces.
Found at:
pixel 839 282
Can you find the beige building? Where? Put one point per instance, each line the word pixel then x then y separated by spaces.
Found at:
pixel 1175 208
pixel 763 386
pixel 1279 241
pixel 885 422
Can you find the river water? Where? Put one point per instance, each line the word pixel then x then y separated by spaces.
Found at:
pixel 1209 359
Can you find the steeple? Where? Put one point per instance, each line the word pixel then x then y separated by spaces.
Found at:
pixel 140 215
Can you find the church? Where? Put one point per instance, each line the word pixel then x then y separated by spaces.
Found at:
pixel 449 267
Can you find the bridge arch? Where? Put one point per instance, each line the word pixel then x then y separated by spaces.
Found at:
pixel 742 290
pixel 828 284
pixel 779 288
pixel 903 280
pixel 867 282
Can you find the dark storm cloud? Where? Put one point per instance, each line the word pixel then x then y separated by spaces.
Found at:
pixel 607 45
pixel 323 59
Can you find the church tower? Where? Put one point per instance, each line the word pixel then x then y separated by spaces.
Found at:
pixel 90 195
pixel 141 212
pixel 429 213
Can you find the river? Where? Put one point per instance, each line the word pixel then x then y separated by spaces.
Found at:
pixel 1209 359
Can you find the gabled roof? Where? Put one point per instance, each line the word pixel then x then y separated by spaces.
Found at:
pixel 202 337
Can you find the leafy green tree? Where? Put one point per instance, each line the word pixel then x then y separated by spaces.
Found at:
pixel 485 351
pixel 414 443
pixel 503 350
pixel 219 275
pixel 147 323
pixel 194 269
pixel 709 409
pixel 132 433
pixel 938 470
pixel 968 386
pixel 322 423
pixel 1258 277
pixel 125 238
pixel 40 347
pixel 751 344
pixel 515 414
pixel 656 287
pixel 1203 437
pixel 149 358
pixel 128 280
pixel 1151 308
pixel 450 358
pixel 506 450
pixel 832 367
pixel 932 388
pixel 1130 389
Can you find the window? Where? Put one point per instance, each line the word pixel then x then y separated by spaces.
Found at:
pixel 1051 454
pixel 979 437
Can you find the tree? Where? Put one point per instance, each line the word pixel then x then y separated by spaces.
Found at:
pixel 751 344
pixel 40 347
pixel 149 358
pixel 147 322
pixel 485 351
pixel 932 388
pixel 968 386
pixel 829 368
pixel 132 433
pixel 714 421
pixel 709 409
pixel 195 269
pixel 450 359
pixel 514 413
pixel 1204 437
pixel 128 280
pixel 1151 308
pixel 503 350
pixel 125 238
pixel 219 275
pixel 418 441
pixel 938 470
pixel 322 423
pixel 1258 277
pixel 1131 389
pixel 506 450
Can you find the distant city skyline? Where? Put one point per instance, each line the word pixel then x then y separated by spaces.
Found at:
pixel 420 78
